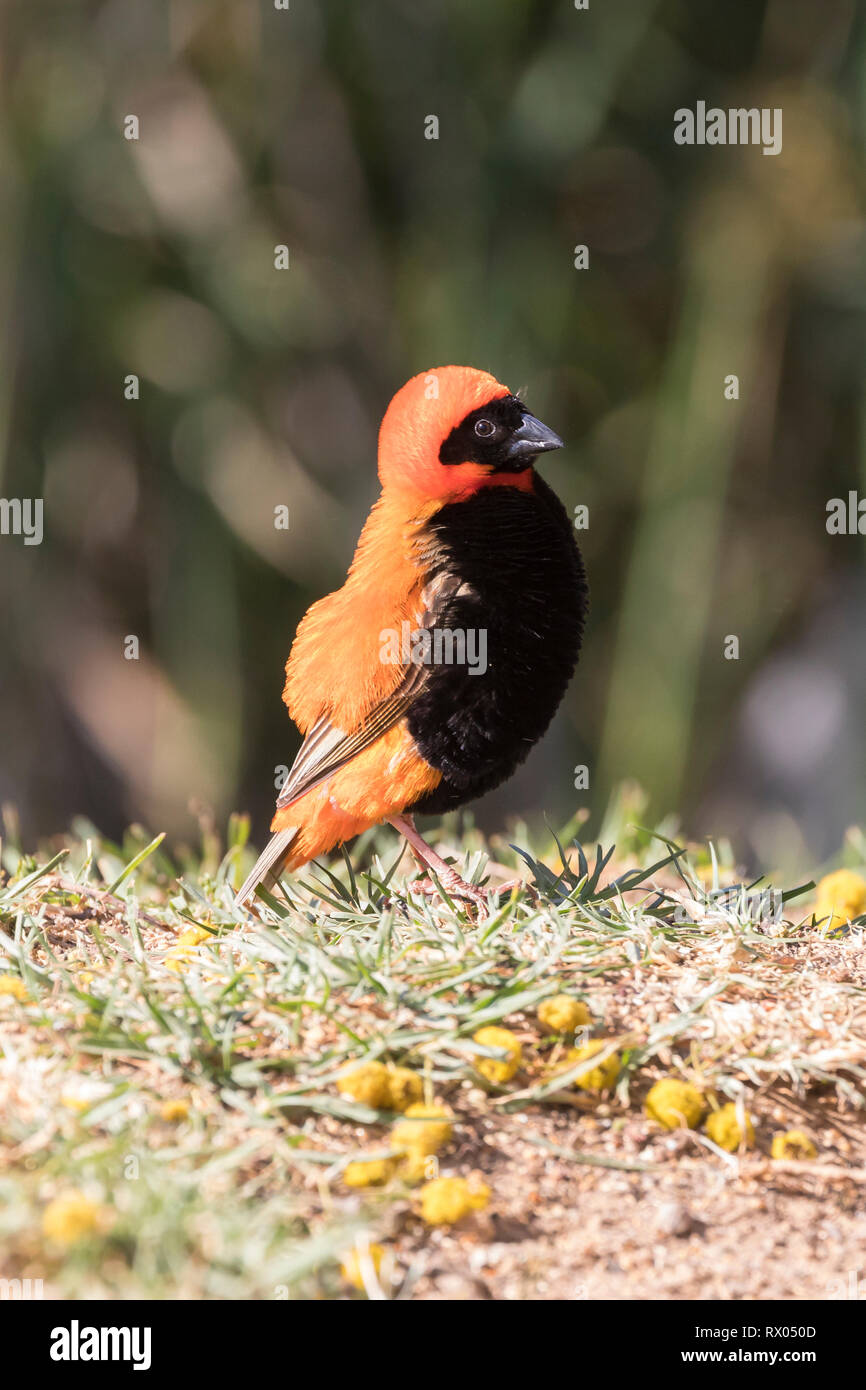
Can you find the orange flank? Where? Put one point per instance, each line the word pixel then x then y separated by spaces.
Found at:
pixel 376 785
pixel 335 661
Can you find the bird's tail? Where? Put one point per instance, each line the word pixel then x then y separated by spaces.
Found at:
pixel 268 866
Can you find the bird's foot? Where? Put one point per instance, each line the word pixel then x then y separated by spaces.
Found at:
pixel 446 876
pixel 453 884
pixel 501 890
pixel 489 896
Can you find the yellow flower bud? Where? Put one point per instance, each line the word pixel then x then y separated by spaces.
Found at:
pixel 444 1201
pixel 563 1014
pixel 675 1104
pixel 793 1144
pixel 491 1067
pixel 723 1127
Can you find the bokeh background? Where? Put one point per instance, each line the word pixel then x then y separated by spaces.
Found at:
pixel 261 388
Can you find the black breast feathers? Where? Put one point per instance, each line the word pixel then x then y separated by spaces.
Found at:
pixel 514 597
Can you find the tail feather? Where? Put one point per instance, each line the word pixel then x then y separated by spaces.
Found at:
pixel 268 866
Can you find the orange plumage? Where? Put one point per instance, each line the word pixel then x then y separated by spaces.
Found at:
pixel 360 764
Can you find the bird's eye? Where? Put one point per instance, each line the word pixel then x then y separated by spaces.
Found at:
pixel 484 428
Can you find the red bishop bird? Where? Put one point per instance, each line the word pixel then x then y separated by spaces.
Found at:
pixel 426 679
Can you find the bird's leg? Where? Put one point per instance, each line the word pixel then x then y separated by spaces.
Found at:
pixel 448 877
pixel 416 854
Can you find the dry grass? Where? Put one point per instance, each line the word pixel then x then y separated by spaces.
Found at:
pixel 240 1194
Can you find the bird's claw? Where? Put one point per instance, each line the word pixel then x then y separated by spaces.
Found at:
pixel 454 886
pixel 457 887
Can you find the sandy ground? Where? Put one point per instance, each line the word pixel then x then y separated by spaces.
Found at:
pixel 701 1228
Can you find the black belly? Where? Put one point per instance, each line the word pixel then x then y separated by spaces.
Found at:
pixel 527 589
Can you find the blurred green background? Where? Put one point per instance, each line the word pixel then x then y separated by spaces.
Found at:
pixel 260 387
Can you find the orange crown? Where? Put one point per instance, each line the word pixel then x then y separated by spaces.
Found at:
pixel 419 420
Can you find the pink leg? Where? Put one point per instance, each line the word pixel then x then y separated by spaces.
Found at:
pixel 448 877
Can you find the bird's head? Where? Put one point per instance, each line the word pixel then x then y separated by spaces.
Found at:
pixel 452 430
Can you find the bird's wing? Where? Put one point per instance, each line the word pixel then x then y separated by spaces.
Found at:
pixel 327 747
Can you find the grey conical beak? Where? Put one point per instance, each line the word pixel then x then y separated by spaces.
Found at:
pixel 529 439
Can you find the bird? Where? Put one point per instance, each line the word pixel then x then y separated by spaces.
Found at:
pixel 426 679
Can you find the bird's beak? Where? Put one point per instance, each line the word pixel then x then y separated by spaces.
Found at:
pixel 530 439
